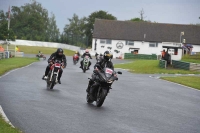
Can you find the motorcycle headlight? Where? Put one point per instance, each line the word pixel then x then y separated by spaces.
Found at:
pixel 110 81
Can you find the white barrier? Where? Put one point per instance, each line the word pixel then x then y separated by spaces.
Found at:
pixel 44 44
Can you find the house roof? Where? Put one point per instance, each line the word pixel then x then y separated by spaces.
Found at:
pixel 155 32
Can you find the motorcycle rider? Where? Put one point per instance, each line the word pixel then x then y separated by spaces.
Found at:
pixel 77 53
pixel 83 56
pixel 58 55
pixel 101 64
pixel 98 56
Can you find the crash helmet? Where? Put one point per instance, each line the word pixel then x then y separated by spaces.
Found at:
pixel 106 55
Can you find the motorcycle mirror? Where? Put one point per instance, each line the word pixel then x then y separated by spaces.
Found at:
pixel 119 72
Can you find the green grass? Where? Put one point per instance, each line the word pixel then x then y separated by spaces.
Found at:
pixel 151 67
pixel 6 128
pixel 12 63
pixel 191 58
pixel 44 50
pixel 191 81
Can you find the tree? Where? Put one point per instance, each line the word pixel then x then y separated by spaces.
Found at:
pixel 76 25
pixel 91 19
pixel 52 30
pixel 74 32
pixel 136 19
pixel 30 21
pixel 4 32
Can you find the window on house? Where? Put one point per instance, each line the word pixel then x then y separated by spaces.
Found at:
pixel 153 44
pixel 102 41
pixel 108 41
pixel 130 43
pixel 105 41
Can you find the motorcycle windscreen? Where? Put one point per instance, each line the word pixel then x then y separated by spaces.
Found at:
pixel 108 72
pixel 86 59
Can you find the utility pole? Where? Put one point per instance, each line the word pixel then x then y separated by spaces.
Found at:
pixel 142 14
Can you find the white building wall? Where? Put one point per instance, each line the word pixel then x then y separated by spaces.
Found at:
pixel 196 48
pixel 142 46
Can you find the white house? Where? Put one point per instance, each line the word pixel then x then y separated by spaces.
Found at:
pixel 121 37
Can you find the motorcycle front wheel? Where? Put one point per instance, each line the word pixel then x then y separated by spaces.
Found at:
pixel 101 96
pixel 88 99
pixel 53 81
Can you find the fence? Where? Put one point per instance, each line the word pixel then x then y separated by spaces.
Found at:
pixel 181 65
pixel 140 56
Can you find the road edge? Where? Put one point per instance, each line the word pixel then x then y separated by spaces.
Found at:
pixel 15 69
pixel 5 117
pixel 178 84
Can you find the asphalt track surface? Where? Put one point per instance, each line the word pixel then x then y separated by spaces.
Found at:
pixel 136 104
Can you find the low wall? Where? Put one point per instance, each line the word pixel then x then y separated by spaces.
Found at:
pixel 140 56
pixel 186 65
pixel 162 63
pixel 181 64
pixel 44 44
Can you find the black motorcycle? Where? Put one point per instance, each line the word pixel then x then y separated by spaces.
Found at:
pixel 105 79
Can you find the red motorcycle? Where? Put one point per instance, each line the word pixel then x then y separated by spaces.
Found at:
pixel 75 59
pixel 52 78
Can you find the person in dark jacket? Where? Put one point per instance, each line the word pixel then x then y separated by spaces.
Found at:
pixel 101 64
pixel 58 55
pixel 83 56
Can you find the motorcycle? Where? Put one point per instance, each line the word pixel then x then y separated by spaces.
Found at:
pixel 98 57
pixel 52 78
pixel 86 61
pixel 106 77
pixel 41 56
pixel 75 59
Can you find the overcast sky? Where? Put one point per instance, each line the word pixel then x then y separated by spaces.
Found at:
pixel 162 11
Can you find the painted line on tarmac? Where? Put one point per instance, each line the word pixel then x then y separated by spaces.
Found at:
pixel 5 117
pixel 15 70
pixel 122 69
pixel 123 63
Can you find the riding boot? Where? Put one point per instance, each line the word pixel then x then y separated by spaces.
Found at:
pixel 89 85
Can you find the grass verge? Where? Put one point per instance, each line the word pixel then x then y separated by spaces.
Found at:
pixel 191 81
pixel 12 63
pixel 151 67
pixel 44 50
pixel 6 128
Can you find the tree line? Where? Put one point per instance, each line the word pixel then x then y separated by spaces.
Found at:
pixel 33 22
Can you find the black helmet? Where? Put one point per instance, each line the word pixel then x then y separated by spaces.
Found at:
pixel 106 55
pixel 59 51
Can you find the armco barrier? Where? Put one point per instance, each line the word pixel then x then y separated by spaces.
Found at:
pixel 195 67
pixel 162 63
pixel 2 55
pixel 44 44
pixel 140 56
pixel 19 54
pixel 181 65
pixel 186 65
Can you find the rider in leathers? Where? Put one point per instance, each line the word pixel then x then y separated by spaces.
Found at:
pixel 86 54
pixel 58 55
pixel 102 63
